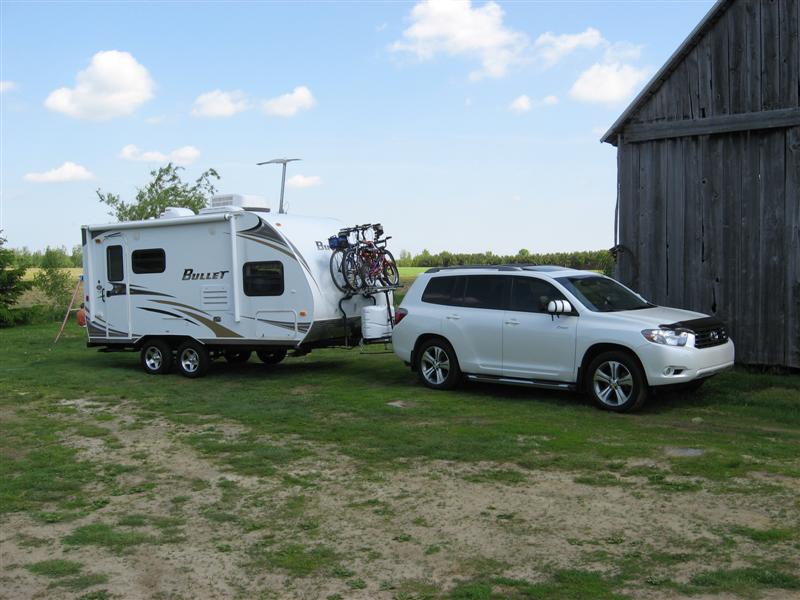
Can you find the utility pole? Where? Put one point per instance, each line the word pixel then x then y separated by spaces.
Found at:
pixel 280 161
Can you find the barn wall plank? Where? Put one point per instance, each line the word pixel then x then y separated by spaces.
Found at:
pixel 720 74
pixel 706 92
pixel 692 258
pixel 645 206
pixel 736 21
pixel 792 248
pixel 676 207
pixel 770 55
pixel 787 49
pixel 772 164
pixel 790 51
pixel 731 199
pixel 751 272
pixel 753 53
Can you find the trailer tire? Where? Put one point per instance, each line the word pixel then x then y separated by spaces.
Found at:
pixel 271 357
pixel 192 359
pixel 237 357
pixel 156 357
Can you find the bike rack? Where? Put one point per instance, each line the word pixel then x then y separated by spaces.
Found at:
pixel 368 294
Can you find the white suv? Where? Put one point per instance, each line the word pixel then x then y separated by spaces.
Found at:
pixel 554 328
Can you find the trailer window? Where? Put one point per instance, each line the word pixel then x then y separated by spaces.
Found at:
pixel 148 261
pixel 263 278
pixel 114 268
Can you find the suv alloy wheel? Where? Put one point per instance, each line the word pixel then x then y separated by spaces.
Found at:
pixel 616 382
pixel 437 365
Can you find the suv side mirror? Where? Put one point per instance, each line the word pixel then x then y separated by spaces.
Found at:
pixel 559 307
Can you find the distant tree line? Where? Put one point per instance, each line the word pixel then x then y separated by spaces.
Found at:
pixel 592 260
pixel 58 257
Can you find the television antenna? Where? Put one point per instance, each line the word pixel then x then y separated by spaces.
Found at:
pixel 280 161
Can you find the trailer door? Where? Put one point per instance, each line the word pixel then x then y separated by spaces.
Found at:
pixel 113 285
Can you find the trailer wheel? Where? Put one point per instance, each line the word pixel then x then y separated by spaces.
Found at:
pixel 156 357
pixel 237 356
pixel 271 357
pixel 192 359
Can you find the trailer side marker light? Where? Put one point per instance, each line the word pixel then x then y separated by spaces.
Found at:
pixel 97 241
pixel 302 313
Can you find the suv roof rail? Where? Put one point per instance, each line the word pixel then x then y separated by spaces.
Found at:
pixel 510 267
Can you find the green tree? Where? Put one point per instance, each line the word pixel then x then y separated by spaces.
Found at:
pixel 165 189
pixel 55 258
pixel 11 277
pixel 56 283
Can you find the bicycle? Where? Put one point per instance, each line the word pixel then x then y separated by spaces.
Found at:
pixel 363 264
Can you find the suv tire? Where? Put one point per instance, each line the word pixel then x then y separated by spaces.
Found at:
pixel 156 357
pixel 616 382
pixel 437 365
pixel 192 359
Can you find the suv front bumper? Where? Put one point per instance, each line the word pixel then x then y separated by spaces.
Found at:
pixel 665 365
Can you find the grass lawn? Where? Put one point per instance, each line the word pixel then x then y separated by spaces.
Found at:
pixel 336 475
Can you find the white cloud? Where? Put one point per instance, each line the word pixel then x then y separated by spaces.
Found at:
pixel 551 48
pixel 524 103
pixel 455 28
pixel 288 105
pixel 303 181
pixel 521 104
pixel 608 83
pixel 220 104
pixel 7 86
pixel 155 120
pixel 69 171
pixel 620 51
pixel 184 155
pixel 114 84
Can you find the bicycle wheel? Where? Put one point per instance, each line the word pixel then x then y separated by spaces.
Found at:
pixel 391 275
pixel 352 270
pixel 337 273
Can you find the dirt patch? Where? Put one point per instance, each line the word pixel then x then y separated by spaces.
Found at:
pixel 401 404
pixel 216 533
pixel 683 452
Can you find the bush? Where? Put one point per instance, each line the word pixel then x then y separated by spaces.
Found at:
pixel 56 283
pixel 29 315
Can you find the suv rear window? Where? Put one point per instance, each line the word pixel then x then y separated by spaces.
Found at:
pixel 485 291
pixel 444 290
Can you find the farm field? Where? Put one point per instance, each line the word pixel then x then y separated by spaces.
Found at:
pixel 336 475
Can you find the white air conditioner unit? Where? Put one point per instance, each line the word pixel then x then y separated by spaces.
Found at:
pixel 173 212
pixel 246 201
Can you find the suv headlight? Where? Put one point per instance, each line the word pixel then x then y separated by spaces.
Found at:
pixel 668 337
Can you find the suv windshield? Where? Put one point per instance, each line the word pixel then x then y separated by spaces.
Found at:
pixel 601 294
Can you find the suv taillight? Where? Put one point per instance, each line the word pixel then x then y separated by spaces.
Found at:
pixel 399 313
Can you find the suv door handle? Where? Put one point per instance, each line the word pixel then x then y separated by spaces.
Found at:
pixel 453 317
pixel 512 322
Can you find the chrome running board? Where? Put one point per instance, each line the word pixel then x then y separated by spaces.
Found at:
pixel 547 385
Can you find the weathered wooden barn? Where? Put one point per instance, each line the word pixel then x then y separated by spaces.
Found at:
pixel 708 209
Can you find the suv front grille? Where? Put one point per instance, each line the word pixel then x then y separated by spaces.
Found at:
pixel 710 336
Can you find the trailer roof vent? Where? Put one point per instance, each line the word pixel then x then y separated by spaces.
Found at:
pixel 245 201
pixel 173 212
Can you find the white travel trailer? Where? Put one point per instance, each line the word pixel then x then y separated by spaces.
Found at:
pixel 185 288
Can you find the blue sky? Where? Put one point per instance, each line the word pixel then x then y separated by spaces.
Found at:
pixel 460 126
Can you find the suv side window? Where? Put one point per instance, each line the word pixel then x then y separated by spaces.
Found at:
pixel 529 294
pixel 444 290
pixel 486 291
